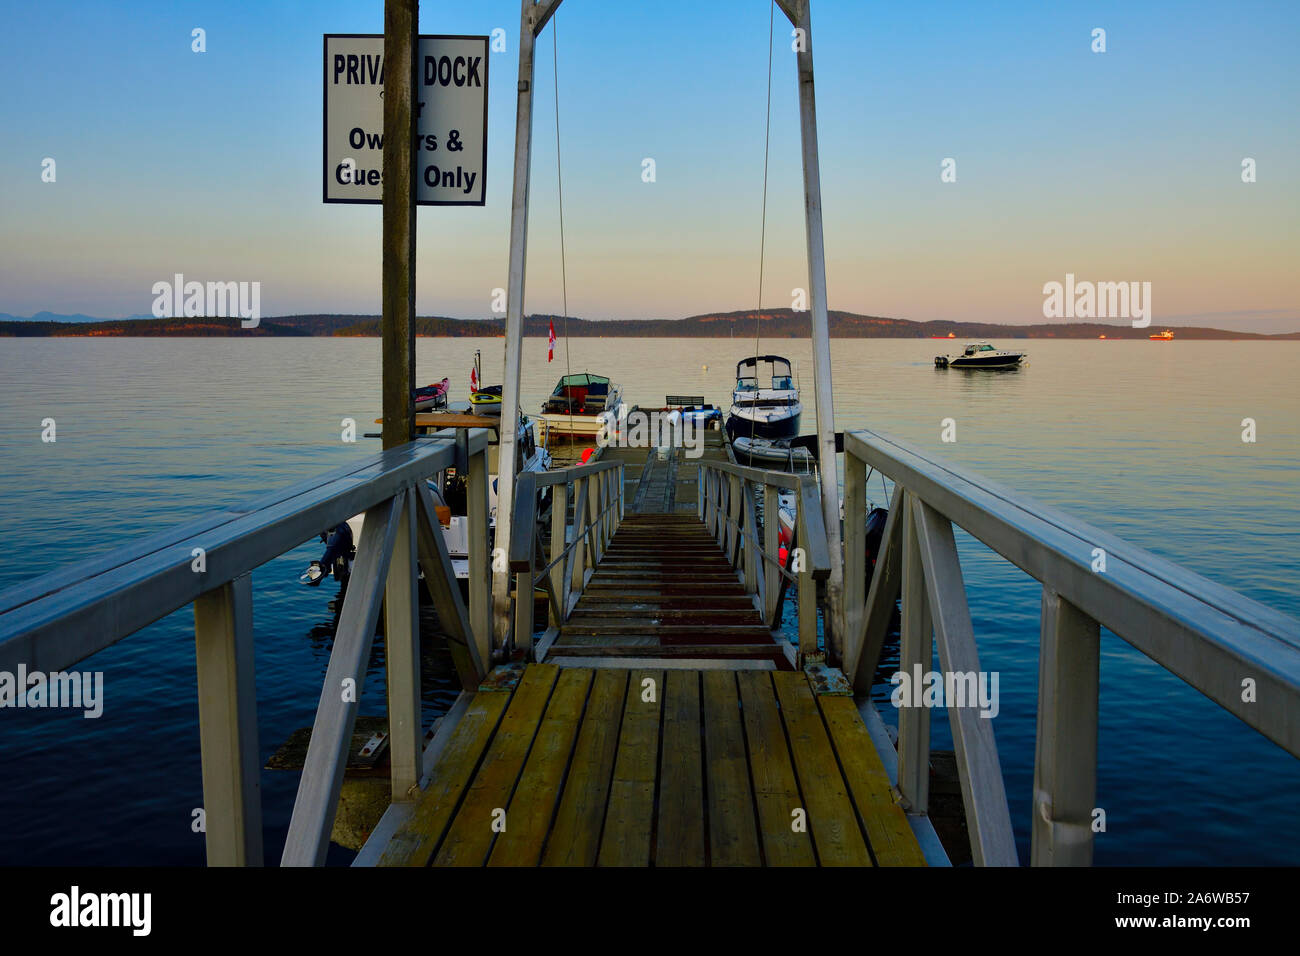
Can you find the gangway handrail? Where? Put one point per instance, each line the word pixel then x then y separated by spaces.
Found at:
pixel 1239 653
pixel 574 553
pixel 727 504
pixel 58 619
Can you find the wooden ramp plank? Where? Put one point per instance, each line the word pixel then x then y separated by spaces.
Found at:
pixel 629 818
pixel 891 838
pixel 416 840
pixel 528 817
pixel 733 834
pixel 575 835
pixel 680 833
pixel 776 791
pixel 831 817
pixel 469 840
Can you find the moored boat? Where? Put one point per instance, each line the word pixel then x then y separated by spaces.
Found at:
pixel 433 396
pixel 980 355
pixel 770 455
pixel 578 404
pixel 765 402
pixel 483 399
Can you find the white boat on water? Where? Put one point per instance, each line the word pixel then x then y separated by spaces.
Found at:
pixel 765 402
pixel 769 454
pixel 980 355
pixel 579 402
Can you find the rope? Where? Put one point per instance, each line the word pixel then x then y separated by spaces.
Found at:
pixel 762 232
pixel 559 182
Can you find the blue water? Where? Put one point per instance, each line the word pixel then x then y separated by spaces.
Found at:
pixel 1142 439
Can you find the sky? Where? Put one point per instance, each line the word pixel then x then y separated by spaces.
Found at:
pixel 1117 166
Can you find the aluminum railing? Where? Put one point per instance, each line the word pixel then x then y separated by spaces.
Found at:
pixel 1212 637
pixel 574 550
pixel 727 504
pixel 61 618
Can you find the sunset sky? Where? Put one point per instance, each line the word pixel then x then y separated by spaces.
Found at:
pixel 1116 166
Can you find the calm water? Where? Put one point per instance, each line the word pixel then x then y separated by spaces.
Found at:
pixel 1141 438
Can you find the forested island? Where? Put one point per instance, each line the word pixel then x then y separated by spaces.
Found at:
pixel 772 324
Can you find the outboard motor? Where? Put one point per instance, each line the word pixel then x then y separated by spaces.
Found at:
pixel 337 559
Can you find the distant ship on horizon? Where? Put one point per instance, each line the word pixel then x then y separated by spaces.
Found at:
pixel 1166 336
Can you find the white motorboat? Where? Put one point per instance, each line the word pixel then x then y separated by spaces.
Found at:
pixel 580 404
pixel 765 402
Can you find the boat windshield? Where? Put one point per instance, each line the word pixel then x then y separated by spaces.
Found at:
pixel 594 384
pixel 763 368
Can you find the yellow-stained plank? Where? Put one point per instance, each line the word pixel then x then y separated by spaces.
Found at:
pixel 776 792
pixel 417 839
pixel 575 834
pixel 679 836
pixel 892 841
pixel 733 833
pixel 831 817
pixel 533 804
pixel 629 817
pixel 470 837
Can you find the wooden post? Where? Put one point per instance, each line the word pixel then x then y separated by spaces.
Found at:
pixel 559 524
pixel 232 803
pixel 771 545
pixel 397 329
pixel 885 589
pixel 1065 765
pixel 312 820
pixel 402 656
pixel 733 519
pixel 578 559
pixel 596 552
pixel 916 648
pixel 806 587
pixel 753 561
pixel 480 558
pixel 855 560
pixel 524 610
pixel 988 816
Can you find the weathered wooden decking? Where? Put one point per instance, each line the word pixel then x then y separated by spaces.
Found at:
pixel 664 590
pixel 618 767
pixel 666 728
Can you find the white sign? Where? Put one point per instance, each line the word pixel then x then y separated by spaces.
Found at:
pixel 451 99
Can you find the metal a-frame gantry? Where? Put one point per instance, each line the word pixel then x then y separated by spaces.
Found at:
pixel 534 16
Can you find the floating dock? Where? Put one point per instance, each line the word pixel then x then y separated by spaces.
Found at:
pixel 613 766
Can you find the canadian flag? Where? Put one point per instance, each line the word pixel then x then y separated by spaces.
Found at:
pixel 473 380
pixel 550 343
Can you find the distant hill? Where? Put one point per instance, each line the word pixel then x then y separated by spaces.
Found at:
pixel 773 324
pixel 142 328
